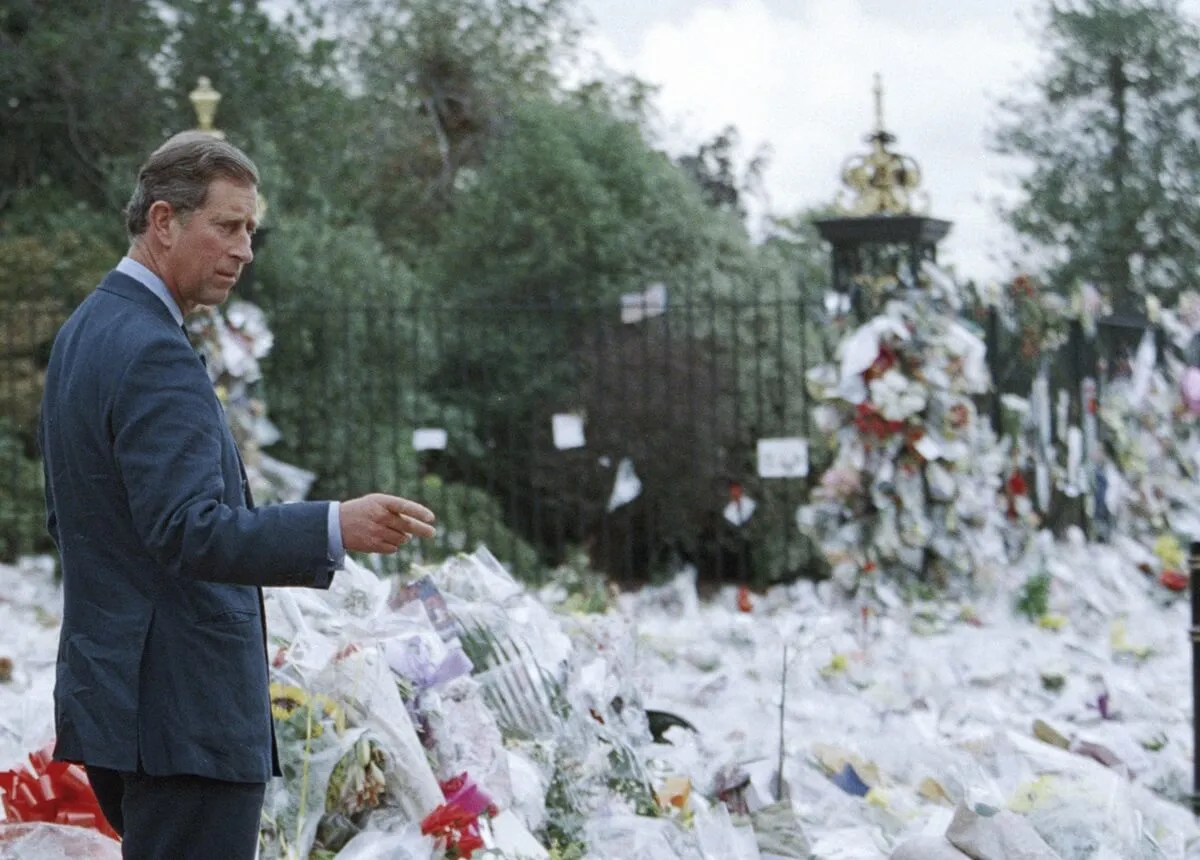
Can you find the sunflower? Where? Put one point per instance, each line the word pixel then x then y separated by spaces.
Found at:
pixel 286 699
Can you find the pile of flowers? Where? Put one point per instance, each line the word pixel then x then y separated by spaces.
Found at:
pixel 915 474
pixel 1150 461
pixel 450 714
pixel 1036 317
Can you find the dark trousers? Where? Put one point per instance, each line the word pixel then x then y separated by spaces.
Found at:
pixel 179 817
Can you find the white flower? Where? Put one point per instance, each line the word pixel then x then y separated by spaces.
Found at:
pixel 896 397
pixel 1054 304
pixel 1189 309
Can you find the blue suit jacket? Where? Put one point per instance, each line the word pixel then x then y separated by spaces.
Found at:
pixel 162 660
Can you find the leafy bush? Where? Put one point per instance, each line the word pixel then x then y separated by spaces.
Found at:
pixel 22 503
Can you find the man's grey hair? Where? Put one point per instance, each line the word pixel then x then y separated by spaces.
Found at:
pixel 180 171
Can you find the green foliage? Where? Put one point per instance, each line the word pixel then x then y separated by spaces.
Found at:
pixel 587 589
pixel 338 378
pixel 47 266
pixel 1114 180
pixel 283 95
pixel 570 851
pixel 58 258
pixel 715 170
pixel 79 90
pixel 22 527
pixel 795 246
pixel 440 78
pixel 574 206
pixel 54 209
pixel 1033 600
pixel 469 516
pixel 50 258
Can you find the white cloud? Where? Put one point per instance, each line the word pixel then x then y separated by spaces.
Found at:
pixel 799 77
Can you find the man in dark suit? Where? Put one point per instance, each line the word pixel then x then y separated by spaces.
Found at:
pixel 162 684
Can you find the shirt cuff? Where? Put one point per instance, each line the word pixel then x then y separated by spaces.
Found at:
pixel 337 552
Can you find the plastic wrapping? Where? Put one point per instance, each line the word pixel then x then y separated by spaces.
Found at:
pixel 721 838
pixel 630 837
pixel 927 848
pixel 467 739
pixel 43 841
pixel 998 835
pixel 406 844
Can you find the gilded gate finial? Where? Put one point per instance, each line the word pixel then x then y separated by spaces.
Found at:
pixel 882 182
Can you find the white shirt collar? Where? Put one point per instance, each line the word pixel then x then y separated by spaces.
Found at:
pixel 152 282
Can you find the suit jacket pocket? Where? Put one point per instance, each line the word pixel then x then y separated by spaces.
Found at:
pixel 230 617
pixel 211 603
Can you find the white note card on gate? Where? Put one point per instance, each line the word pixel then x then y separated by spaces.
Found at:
pixel 783 458
pixel 739 511
pixel 568 431
pixel 429 439
pixel 636 307
pixel 627 486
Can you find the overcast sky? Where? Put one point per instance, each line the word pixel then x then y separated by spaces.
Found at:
pixel 798 75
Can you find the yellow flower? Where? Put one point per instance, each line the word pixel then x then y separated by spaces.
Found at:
pixel 1169 552
pixel 837 664
pixel 286 700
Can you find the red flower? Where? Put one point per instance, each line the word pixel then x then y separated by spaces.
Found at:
pixel 1016 484
pixel 870 423
pixel 456 829
pixel 468 844
pixel 1023 285
pixel 1175 580
pixel 446 819
pixel 743 599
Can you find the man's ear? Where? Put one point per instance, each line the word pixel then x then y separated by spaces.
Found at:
pixel 160 220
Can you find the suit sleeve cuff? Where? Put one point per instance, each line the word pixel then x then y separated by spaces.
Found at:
pixel 337 552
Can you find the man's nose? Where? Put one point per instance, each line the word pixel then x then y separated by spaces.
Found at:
pixel 242 250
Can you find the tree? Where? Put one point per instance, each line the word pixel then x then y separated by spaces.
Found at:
pixel 79 89
pixel 714 168
pixel 1113 187
pixel 440 79
pixel 284 97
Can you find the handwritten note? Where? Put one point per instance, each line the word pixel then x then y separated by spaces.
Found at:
pixel 783 458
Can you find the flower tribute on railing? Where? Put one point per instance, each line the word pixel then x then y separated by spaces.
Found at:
pixel 912 488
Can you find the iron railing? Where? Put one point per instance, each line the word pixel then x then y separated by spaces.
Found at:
pixel 683 394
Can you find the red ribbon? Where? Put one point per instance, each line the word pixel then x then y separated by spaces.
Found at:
pixel 52 791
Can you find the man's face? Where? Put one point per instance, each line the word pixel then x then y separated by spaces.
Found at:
pixel 209 247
